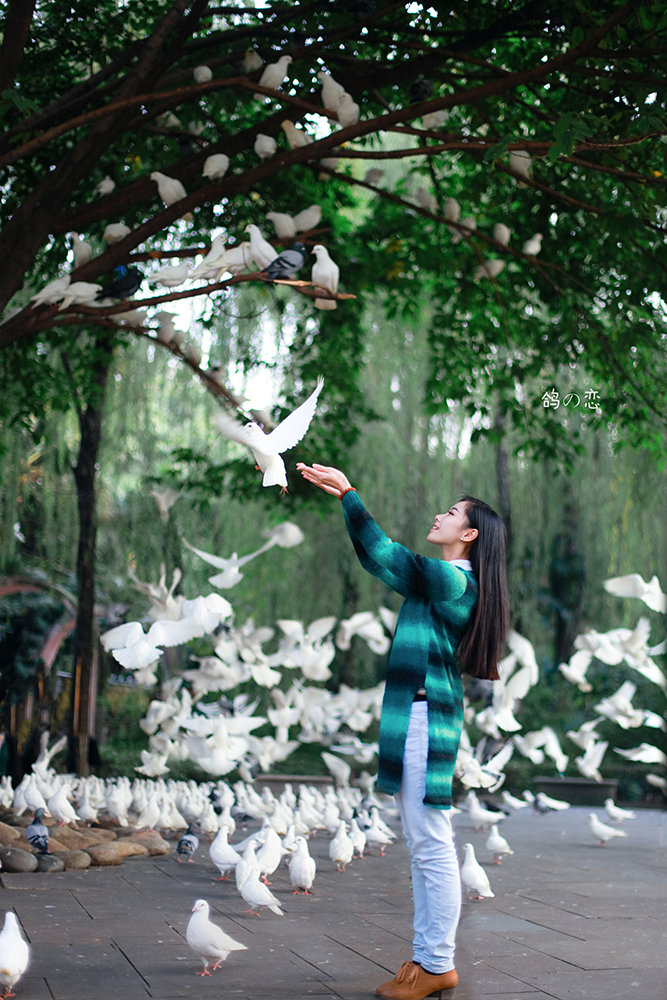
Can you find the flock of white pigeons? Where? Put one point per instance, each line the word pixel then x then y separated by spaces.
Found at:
pixel 219 736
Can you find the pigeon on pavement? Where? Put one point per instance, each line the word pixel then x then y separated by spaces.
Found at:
pixel 497 844
pixel 268 448
pixel 222 854
pixel 187 844
pixel 473 875
pixel 601 831
pixel 617 814
pixel 257 895
pixel 208 940
pixel 14 953
pixel 302 868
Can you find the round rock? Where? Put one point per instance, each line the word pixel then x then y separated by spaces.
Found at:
pixel 50 863
pixel 16 860
pixel 74 860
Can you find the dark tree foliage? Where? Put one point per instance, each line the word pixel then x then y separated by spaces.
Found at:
pixel 544 119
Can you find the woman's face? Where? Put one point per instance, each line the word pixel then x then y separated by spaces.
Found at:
pixel 449 528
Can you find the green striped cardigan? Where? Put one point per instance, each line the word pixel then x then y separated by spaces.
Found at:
pixel 439 599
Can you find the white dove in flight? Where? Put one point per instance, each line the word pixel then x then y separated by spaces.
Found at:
pixel 268 448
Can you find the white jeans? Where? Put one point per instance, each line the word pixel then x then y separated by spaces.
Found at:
pixel 436 882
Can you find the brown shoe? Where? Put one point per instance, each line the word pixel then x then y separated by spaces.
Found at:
pixel 412 983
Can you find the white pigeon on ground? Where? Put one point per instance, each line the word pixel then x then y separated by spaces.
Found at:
pixel 273 76
pixel 544 803
pixel 341 848
pixel 257 895
pixel 216 166
pixel 512 801
pixel 170 190
pixel 480 816
pixel 617 814
pixel 473 876
pixel 633 585
pixel 497 844
pixel 377 833
pixel 302 868
pixel 324 274
pixel 602 832
pixel 269 854
pixel 208 940
pixel 268 448
pixel 14 953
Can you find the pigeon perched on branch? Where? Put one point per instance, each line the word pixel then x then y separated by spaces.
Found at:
pixel 287 264
pixel 170 190
pixel 274 75
pixel 127 282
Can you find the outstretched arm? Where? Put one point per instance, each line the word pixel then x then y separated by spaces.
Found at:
pixel 396 566
pixel 326 477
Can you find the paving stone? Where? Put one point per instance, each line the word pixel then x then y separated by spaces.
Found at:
pixel 569 921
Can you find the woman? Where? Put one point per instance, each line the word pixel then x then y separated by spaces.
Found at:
pixel 453 619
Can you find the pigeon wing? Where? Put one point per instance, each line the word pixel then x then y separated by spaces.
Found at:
pixel 234 430
pixel 293 428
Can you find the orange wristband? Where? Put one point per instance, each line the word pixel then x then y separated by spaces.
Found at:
pixel 350 488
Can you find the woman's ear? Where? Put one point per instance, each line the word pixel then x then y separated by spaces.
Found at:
pixel 469 535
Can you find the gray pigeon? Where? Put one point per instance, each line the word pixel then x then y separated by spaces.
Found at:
pixel 38 834
pixel 187 844
pixel 287 264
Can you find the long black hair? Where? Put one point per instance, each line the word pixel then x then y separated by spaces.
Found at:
pixel 482 644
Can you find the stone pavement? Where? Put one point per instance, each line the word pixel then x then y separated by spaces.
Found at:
pixel 569 920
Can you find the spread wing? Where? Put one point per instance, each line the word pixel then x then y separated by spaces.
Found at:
pixel 234 430
pixel 290 431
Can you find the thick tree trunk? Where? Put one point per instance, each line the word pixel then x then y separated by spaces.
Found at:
pixel 90 422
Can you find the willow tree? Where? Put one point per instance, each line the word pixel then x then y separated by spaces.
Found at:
pixel 506 165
